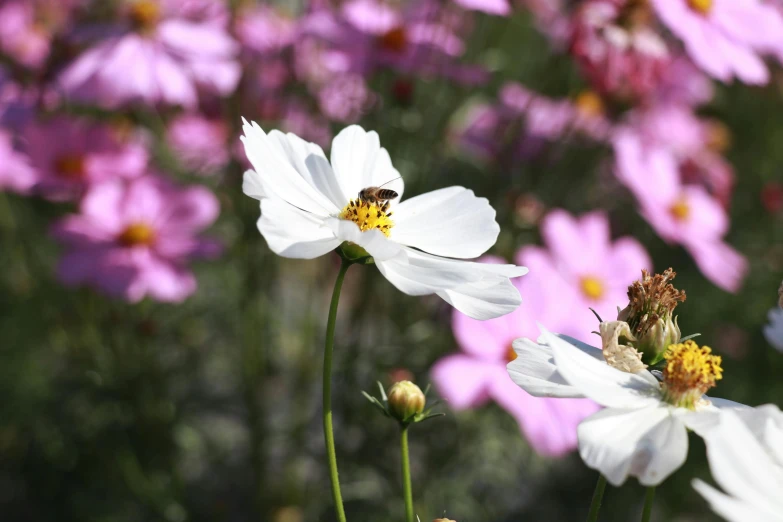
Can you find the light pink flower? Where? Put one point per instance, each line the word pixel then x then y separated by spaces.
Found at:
pixel 725 37
pixel 263 30
pixel 20 36
pixel 494 7
pixel 161 58
pixel 345 99
pixel 134 240
pixel 16 174
pixel 682 214
pixel 70 155
pixel 469 379
pixel 200 143
pixel 581 266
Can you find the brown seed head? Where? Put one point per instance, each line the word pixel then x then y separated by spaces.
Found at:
pixel 650 299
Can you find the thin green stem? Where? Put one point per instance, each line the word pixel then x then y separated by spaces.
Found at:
pixel 327 395
pixel 406 475
pixel 598 496
pixel 648 502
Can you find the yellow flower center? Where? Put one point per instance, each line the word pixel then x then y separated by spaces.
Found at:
pixel 589 104
pixel 70 166
pixel 511 355
pixel 702 7
pixel 368 216
pixel 680 210
pixel 592 287
pixel 688 373
pixel 394 40
pixel 144 14
pixel 136 234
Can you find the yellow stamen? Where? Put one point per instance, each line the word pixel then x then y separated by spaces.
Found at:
pixel 689 372
pixel 592 287
pixel 680 210
pixel 511 355
pixel 137 234
pixel 702 7
pixel 368 216
pixel 394 40
pixel 70 166
pixel 145 14
pixel 589 104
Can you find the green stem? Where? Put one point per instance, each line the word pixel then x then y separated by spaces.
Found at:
pixel 406 475
pixel 598 496
pixel 327 395
pixel 648 502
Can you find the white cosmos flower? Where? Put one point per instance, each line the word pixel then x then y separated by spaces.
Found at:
pixel 642 432
pixel 774 330
pixel 309 207
pixel 745 452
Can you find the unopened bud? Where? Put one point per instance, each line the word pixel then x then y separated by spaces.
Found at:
pixel 660 335
pixel 405 400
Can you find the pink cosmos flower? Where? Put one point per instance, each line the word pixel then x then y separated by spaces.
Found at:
pixel 469 379
pixel 345 99
pixel 683 214
pixel 725 37
pixel 16 174
pixel 20 36
pixel 134 239
pixel 200 143
pixel 263 30
pixel 160 57
pixel 70 155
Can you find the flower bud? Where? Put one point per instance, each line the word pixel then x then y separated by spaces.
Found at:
pixel 405 400
pixel 658 337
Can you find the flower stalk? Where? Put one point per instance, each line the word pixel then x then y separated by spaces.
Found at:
pixel 327 393
pixel 648 503
pixel 406 475
pixel 598 496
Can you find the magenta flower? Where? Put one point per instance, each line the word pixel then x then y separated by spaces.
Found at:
pixel 20 36
pixel 682 214
pixel 70 155
pixel 581 266
pixel 469 379
pixel 200 143
pixel 16 174
pixel 725 37
pixel 134 239
pixel 160 57
pixel 265 31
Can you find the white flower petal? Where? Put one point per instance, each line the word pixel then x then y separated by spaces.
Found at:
pixel 291 232
pixel 766 424
pixel 449 222
pixel 730 508
pixel 373 241
pixel 600 382
pixel 647 443
pixel 253 185
pixel 359 162
pixel 279 160
pixel 773 331
pixel 742 467
pixel 422 274
pixel 535 372
pixel 486 299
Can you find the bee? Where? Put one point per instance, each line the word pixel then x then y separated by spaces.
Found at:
pixel 377 194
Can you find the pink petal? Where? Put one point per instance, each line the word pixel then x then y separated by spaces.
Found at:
pixel 463 380
pixel 719 263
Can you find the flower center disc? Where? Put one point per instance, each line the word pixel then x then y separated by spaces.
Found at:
pixel 136 234
pixel 702 7
pixel 592 287
pixel 145 14
pixel 70 166
pixel 394 40
pixel 680 210
pixel 511 355
pixel 689 372
pixel 368 216
pixel 589 104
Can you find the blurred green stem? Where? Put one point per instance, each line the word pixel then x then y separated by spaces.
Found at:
pixel 598 496
pixel 406 475
pixel 327 407
pixel 648 503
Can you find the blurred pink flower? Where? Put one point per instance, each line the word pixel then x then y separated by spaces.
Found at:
pixel 494 7
pixel 16 174
pixel 619 55
pixel 200 143
pixel 683 214
pixel 581 266
pixel 70 155
pixel 21 38
pixel 263 30
pixel 683 83
pixel 469 379
pixel 134 239
pixel 161 57
pixel 725 37
pixel 346 98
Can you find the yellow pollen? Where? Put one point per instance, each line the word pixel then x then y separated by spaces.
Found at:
pixel 145 14
pixel 394 40
pixel 702 7
pixel 511 355
pixel 368 216
pixel 70 166
pixel 688 373
pixel 137 234
pixel 592 287
pixel 589 104
pixel 680 210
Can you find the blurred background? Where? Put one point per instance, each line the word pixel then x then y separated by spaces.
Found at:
pixel 160 363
